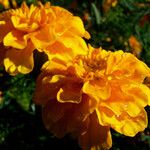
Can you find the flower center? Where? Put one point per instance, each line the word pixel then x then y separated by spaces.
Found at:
pixel 93 68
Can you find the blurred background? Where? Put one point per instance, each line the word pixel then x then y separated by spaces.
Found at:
pixel 114 25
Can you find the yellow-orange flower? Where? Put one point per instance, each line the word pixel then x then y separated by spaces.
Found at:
pixel 135 46
pixel 6 3
pixel 107 4
pixel 47 28
pixel 90 94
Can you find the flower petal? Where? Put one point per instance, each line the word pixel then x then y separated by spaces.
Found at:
pixel 53 117
pixel 76 43
pixel 23 26
pixel 123 123
pixel 5 24
pixel 70 92
pixel 55 65
pixel 62 118
pixel 47 87
pixel 139 92
pixel 58 51
pixel 97 89
pixel 19 61
pixel 129 98
pixel 77 27
pixel 96 137
pixel 15 39
pixel 67 47
pixel 126 65
pixel 42 38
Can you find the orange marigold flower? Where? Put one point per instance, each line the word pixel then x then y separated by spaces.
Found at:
pixel 91 93
pixel 135 46
pixel 6 3
pixel 107 4
pixel 47 28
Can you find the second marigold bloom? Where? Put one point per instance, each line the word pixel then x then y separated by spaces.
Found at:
pixel 47 28
pixel 92 93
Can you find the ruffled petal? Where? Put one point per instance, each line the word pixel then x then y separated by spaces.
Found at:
pixel 127 66
pixel 15 39
pixel 127 106
pixel 53 117
pixel 129 98
pixel 19 61
pixel 58 50
pixel 97 90
pixel 124 123
pixel 139 92
pixel 55 65
pixel 44 37
pixel 96 137
pixel 47 87
pixel 62 118
pixel 77 27
pixel 5 24
pixel 66 48
pixel 23 26
pixel 70 92
pixel 76 43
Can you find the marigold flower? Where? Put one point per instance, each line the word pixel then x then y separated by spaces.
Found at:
pixel 135 46
pixel 47 28
pixel 97 91
pixel 107 4
pixel 6 3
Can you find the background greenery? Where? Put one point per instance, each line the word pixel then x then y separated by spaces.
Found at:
pixel 21 126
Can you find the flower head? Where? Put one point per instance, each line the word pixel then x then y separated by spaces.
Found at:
pixel 107 4
pixel 96 91
pixel 135 46
pixel 6 3
pixel 47 28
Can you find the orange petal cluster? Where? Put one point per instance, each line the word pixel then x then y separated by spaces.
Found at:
pixel 90 94
pixel 47 28
pixel 135 46
pixel 107 4
pixel 6 3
